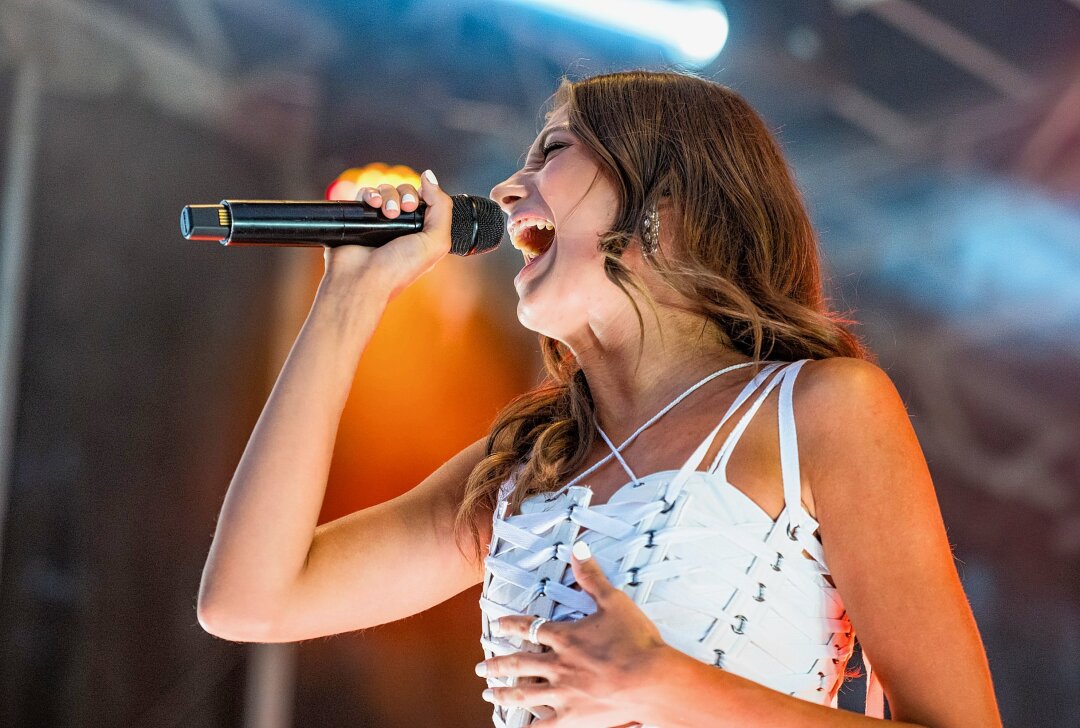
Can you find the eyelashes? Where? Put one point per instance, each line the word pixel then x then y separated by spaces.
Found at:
pixel 538 160
pixel 551 147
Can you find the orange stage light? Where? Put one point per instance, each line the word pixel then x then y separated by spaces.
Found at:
pixel 351 180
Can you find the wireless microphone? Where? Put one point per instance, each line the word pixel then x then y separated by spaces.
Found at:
pixel 476 226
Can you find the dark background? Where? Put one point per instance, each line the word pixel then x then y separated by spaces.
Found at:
pixel 937 143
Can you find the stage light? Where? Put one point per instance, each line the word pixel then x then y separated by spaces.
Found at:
pixel 694 31
pixel 349 182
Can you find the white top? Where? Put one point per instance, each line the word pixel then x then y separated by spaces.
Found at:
pixel 722 581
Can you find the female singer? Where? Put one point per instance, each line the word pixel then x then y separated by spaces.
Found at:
pixel 723 586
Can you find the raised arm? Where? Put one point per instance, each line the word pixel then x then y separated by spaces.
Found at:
pixel 271 575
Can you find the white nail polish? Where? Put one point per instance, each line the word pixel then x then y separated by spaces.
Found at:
pixel 391 205
pixel 407 197
pixel 431 177
pixel 582 552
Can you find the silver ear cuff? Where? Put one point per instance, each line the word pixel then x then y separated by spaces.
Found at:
pixel 651 234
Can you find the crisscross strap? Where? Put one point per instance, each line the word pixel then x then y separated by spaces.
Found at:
pixel 617 451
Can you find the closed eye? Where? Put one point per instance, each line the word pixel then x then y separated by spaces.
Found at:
pixel 553 146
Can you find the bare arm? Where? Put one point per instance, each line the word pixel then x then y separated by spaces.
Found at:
pixel 887 548
pixel 271 575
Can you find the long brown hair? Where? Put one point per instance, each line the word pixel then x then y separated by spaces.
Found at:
pixel 746 258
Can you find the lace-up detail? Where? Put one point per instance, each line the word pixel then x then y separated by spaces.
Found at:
pixel 722 581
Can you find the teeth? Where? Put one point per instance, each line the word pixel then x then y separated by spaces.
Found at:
pixel 517 226
pixel 522 242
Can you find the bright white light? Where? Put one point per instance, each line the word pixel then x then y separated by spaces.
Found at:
pixel 695 31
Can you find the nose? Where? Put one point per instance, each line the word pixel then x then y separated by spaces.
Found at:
pixel 506 193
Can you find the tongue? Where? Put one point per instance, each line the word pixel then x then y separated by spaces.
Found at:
pixel 538 240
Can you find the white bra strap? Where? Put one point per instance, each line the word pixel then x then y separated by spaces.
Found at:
pixel 616 450
pixel 723 455
pixel 695 459
pixel 789 446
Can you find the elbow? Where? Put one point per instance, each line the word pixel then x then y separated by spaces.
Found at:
pixel 234 625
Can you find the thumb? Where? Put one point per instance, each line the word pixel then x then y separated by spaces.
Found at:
pixel 440 209
pixel 588 573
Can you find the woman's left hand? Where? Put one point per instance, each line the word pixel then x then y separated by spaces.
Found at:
pixel 595 665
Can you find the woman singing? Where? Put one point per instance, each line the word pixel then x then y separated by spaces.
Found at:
pixel 690 520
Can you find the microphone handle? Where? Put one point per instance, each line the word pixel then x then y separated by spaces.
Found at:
pixel 316 223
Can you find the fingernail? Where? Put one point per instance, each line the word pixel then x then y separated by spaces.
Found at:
pixel 391 205
pixel 488 695
pixel 582 552
pixel 373 193
pixel 431 177
pixel 407 197
pixel 481 668
pixel 495 629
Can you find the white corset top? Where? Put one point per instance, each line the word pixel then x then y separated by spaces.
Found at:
pixel 722 581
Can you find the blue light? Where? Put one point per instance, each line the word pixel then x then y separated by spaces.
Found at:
pixel 694 31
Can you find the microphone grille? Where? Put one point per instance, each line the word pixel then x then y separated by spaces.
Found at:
pixel 477 225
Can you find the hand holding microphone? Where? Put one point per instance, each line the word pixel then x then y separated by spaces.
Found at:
pixel 383 229
pixel 407 257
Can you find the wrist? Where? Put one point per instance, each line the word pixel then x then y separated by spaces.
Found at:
pixel 367 282
pixel 660 686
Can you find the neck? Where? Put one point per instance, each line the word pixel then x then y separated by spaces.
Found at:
pixel 628 390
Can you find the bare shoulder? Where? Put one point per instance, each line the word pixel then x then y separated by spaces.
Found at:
pixel 839 377
pixel 843 391
pixel 843 404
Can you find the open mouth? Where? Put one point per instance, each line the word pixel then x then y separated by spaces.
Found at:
pixel 533 237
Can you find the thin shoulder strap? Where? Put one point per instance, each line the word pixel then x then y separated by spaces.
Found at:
pixel 698 455
pixel 723 455
pixel 789 449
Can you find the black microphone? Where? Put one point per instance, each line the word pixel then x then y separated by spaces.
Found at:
pixel 476 226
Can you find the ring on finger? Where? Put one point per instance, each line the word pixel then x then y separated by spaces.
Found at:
pixel 535 627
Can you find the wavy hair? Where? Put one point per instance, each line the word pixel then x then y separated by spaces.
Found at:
pixel 746 259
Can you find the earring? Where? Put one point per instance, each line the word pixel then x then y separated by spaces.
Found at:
pixel 651 233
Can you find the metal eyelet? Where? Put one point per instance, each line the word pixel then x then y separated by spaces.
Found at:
pixel 719 658
pixel 555 550
pixel 543 586
pixel 633 576
pixel 570 511
pixel 821 682
pixel 792 531
pixel 760 593
pixel 779 560
pixel 668 506
pixel 742 623
pixel 650 544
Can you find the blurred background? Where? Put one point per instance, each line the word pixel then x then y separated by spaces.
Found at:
pixel 938 146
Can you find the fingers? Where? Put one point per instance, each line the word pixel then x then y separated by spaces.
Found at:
pixel 517 625
pixel 410 197
pixel 521 664
pixel 526 696
pixel 391 200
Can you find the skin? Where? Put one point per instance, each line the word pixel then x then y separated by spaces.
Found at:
pixel 864 478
